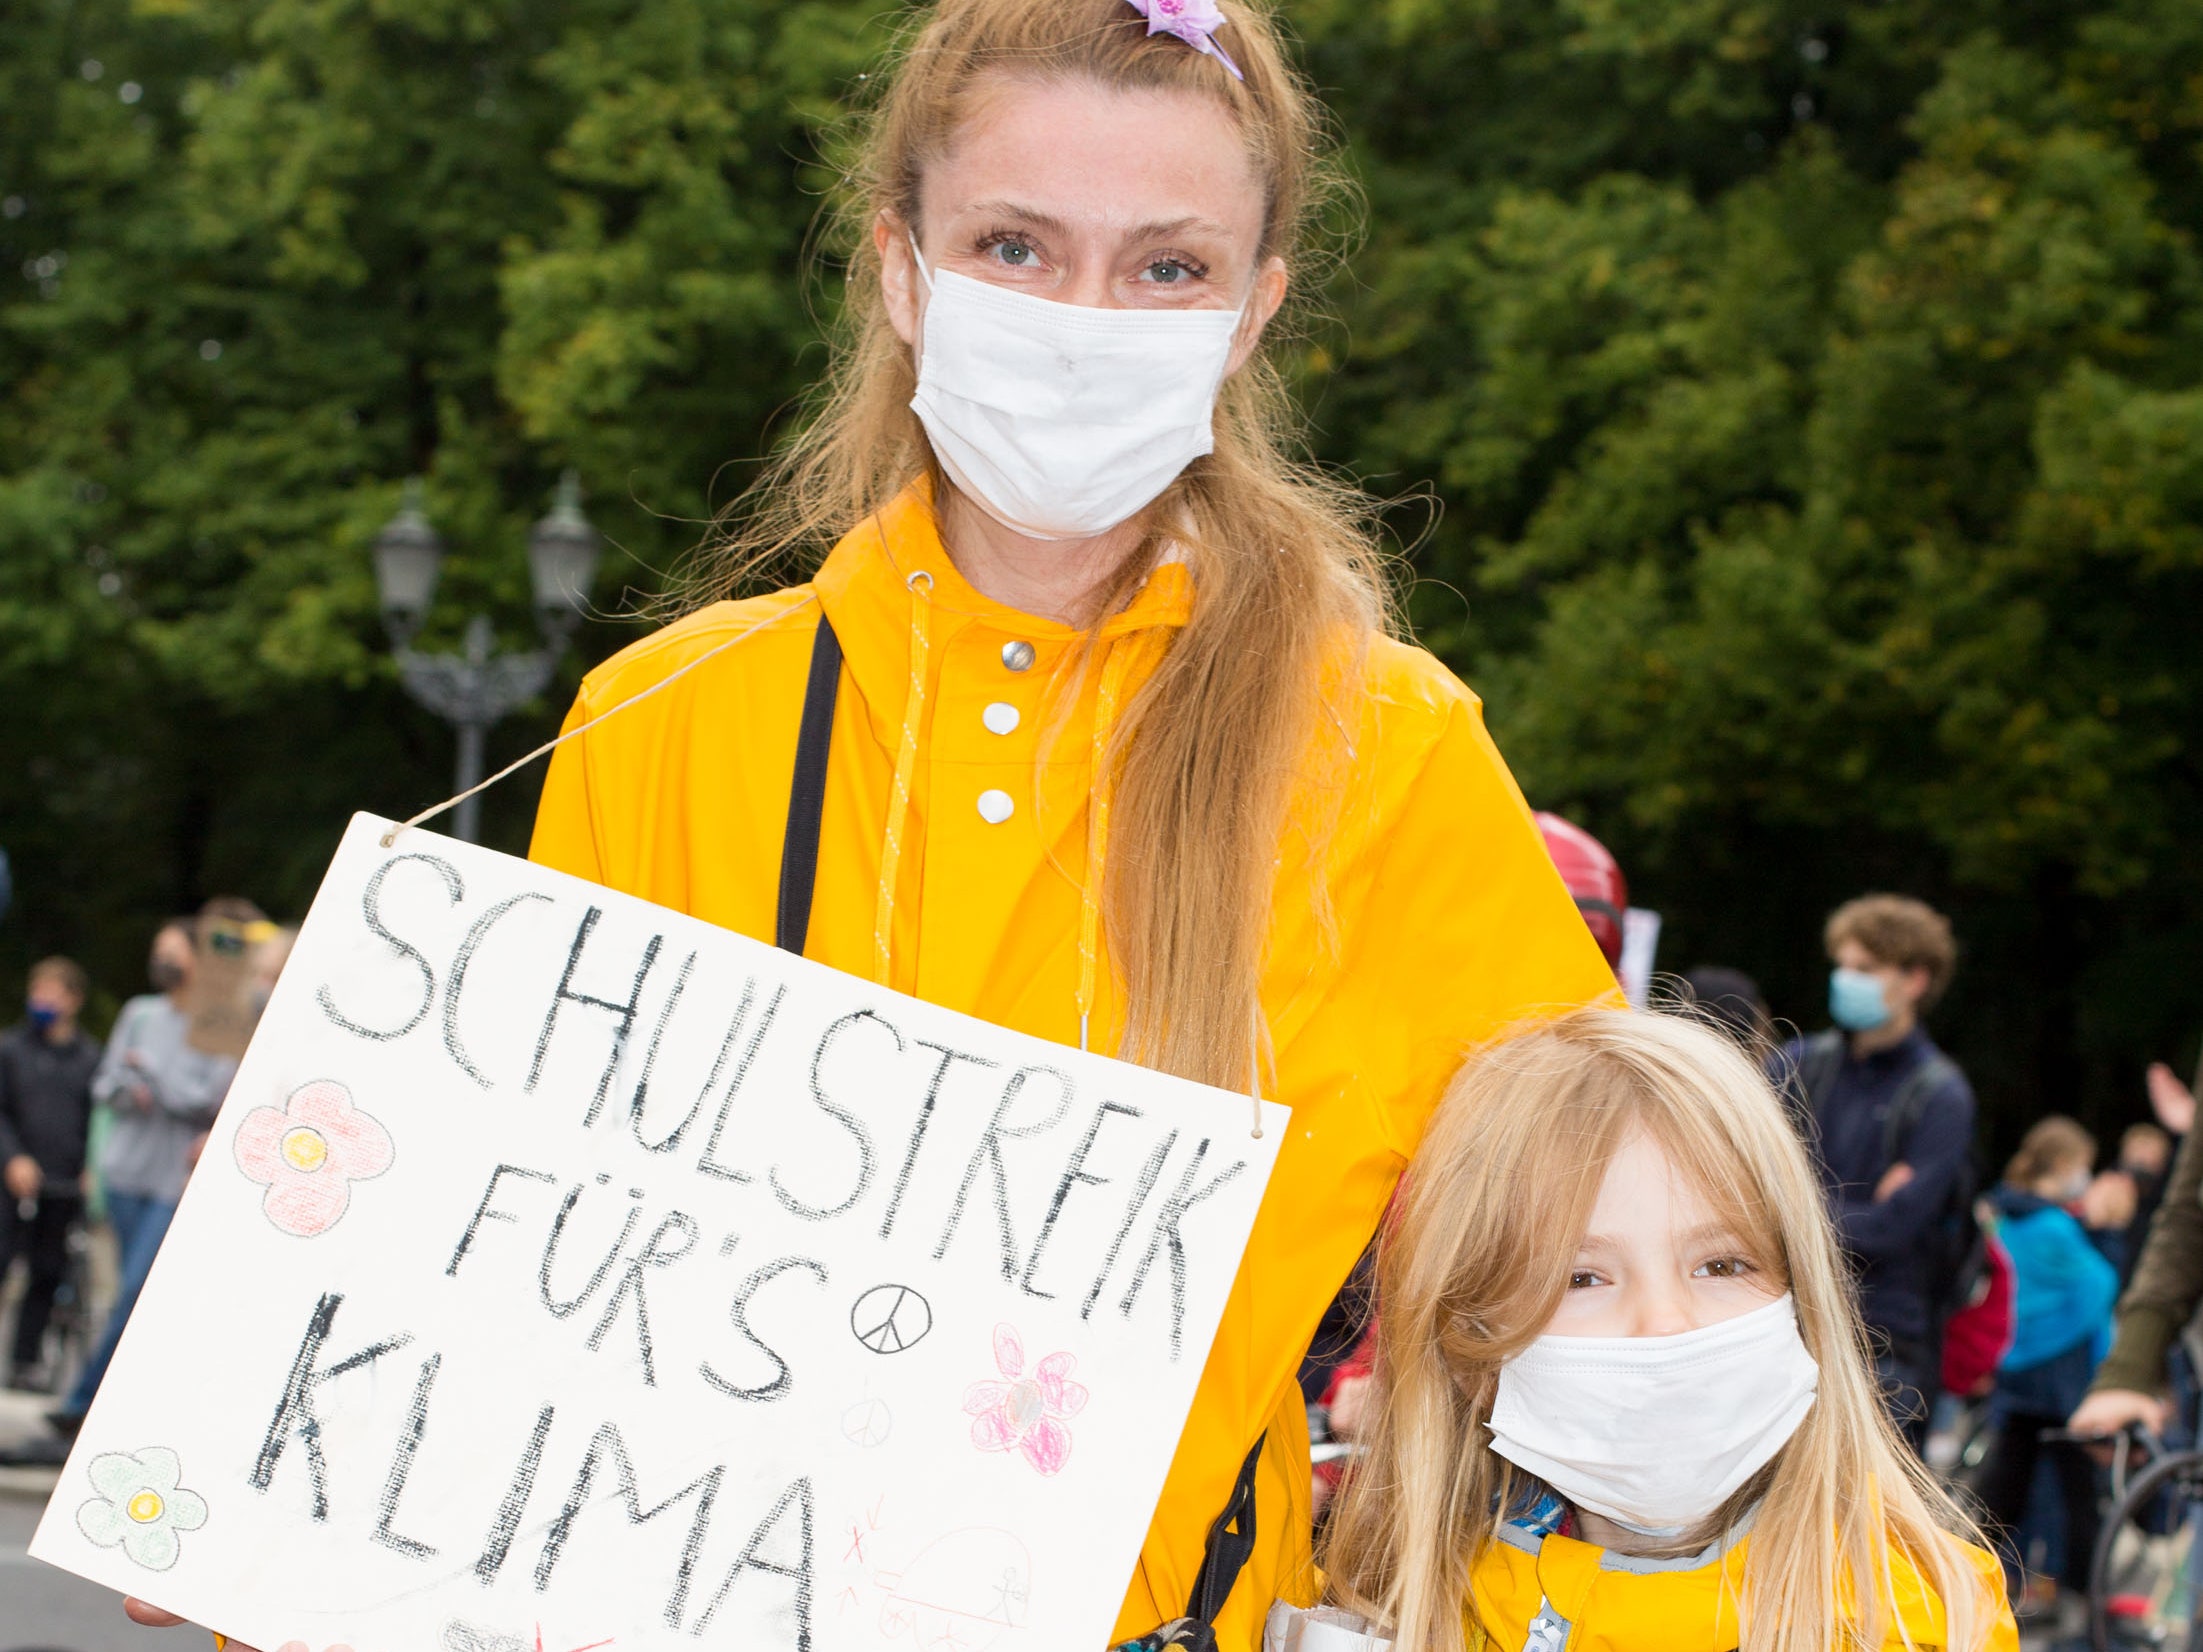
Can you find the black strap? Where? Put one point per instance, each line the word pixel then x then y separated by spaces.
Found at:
pixel 807 793
pixel 1232 1535
pixel 1231 1542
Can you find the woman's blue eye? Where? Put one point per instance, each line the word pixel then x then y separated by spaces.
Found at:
pixel 1166 272
pixel 1014 253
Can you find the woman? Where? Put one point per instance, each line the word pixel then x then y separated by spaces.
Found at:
pixel 1102 737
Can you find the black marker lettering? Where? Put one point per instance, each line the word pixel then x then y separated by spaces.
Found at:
pixel 918 1130
pixel 1140 1190
pixel 560 1309
pixel 483 1213
pixel 708 1161
pixel 507 1524
pixel 640 1098
pixel 654 1255
pixel 607 1444
pixel 294 1412
pixel 841 1115
pixel 1073 1174
pixel 989 1150
pixel 750 1559
pixel 623 1013
pixel 476 933
pixel 738 1312
pixel 371 910
pixel 401 1465
pixel 1166 1233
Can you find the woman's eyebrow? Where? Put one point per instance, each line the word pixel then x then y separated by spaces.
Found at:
pixel 1039 220
pixel 1169 229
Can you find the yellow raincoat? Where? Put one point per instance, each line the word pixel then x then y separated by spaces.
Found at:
pixel 1536 1592
pixel 954 865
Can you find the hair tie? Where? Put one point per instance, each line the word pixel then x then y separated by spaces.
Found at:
pixel 1193 21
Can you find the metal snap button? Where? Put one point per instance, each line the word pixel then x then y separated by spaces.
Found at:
pixel 1000 718
pixel 1018 656
pixel 995 807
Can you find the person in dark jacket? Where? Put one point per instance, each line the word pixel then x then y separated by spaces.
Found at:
pixel 1892 1120
pixel 2064 1287
pixel 46 1068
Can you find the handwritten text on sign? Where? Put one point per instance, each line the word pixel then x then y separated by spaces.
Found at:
pixel 564 1271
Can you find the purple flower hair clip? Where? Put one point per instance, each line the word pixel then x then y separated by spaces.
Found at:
pixel 1193 21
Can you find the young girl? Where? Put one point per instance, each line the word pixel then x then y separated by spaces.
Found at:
pixel 1623 1401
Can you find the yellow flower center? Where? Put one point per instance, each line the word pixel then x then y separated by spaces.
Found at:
pixel 305 1149
pixel 145 1507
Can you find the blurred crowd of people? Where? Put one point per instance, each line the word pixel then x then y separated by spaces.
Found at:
pixel 94 1135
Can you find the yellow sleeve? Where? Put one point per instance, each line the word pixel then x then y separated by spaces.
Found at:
pixel 565 821
pixel 1467 930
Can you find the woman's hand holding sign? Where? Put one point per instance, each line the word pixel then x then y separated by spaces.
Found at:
pixel 154 1618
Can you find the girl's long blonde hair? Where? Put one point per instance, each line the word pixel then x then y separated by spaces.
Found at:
pixel 1282 561
pixel 1473 1267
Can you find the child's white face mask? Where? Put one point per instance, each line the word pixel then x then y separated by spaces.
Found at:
pixel 1656 1432
pixel 1060 420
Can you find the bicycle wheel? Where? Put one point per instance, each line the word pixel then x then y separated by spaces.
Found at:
pixel 2142 1580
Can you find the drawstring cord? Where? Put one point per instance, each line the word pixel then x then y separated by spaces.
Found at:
pixel 920 586
pixel 1102 788
pixel 667 681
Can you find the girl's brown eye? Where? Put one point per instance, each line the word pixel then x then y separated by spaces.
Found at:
pixel 1580 1280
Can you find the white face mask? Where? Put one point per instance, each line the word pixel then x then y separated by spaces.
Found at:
pixel 1656 1432
pixel 1059 420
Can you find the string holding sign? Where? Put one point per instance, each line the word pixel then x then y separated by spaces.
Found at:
pixel 390 837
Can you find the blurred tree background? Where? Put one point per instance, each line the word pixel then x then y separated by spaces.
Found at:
pixel 1798 408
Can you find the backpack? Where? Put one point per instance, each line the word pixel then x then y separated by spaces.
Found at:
pixel 1959 1261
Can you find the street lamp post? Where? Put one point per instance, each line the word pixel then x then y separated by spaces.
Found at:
pixel 473 689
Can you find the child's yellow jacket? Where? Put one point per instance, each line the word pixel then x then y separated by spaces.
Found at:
pixel 1539 1592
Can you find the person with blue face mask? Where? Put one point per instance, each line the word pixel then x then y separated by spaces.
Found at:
pixel 46 1068
pixel 1892 1117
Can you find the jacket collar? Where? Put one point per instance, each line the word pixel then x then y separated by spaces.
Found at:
pixel 864 588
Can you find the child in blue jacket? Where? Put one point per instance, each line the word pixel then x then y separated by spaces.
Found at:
pixel 2064 1290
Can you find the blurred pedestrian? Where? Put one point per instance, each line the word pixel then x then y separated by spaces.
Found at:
pixel 46 1068
pixel 163 1093
pixel 2145 1158
pixel 1892 1118
pixel 1731 1001
pixel 2063 1291
pixel 1594 880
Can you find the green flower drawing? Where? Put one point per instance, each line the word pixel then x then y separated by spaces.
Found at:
pixel 140 1506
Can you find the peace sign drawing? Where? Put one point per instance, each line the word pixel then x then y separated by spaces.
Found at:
pixel 890 1318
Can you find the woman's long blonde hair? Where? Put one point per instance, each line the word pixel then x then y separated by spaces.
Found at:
pixel 1473 1267
pixel 1282 561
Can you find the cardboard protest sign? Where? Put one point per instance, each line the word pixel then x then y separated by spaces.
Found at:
pixel 564 1271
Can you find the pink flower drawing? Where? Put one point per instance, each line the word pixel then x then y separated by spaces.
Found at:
pixel 308 1153
pixel 1024 1413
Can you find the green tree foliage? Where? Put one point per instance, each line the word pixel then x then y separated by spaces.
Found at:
pixel 1813 397
pixel 1807 398
pixel 265 259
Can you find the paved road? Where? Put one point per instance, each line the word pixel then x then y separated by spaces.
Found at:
pixel 42 1610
